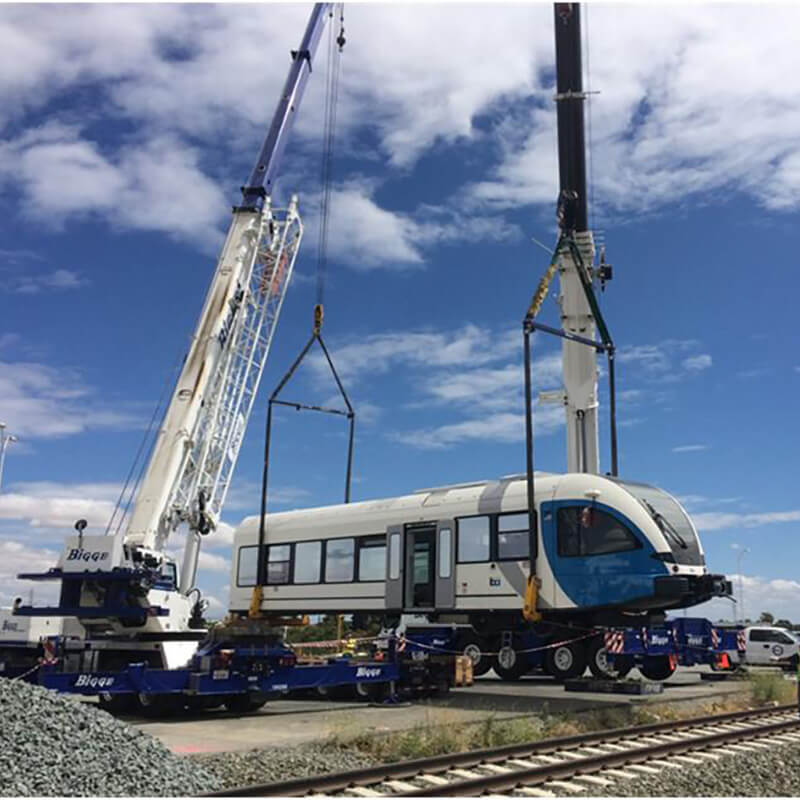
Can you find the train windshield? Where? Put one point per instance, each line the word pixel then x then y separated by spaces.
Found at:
pixel 671 520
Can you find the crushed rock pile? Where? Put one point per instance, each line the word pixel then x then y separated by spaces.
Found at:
pixel 53 744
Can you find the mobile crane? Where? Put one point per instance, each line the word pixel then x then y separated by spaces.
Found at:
pixel 144 641
pixel 123 587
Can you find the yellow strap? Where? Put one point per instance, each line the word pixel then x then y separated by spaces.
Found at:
pixel 529 612
pixel 255 602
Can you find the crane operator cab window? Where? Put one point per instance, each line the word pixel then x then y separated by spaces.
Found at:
pixel 589 531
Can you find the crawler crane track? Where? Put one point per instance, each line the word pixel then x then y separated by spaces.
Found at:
pixel 541 768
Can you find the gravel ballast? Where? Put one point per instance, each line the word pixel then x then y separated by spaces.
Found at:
pixel 767 773
pixel 270 764
pixel 52 744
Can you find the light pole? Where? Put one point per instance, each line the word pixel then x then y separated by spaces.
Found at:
pixel 5 440
pixel 742 551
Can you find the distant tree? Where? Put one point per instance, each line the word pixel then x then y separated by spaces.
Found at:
pixel 784 623
pixel 766 618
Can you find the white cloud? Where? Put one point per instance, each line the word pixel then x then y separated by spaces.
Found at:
pixel 690 448
pixel 58 279
pixel 722 520
pixel 697 363
pixel 45 504
pixel 39 401
pixel 15 558
pixel 154 185
pixel 778 596
pixel 505 428
pixel 379 353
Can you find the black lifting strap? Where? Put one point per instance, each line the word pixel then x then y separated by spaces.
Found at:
pixel 316 336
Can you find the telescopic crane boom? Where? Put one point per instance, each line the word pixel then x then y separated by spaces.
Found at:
pixel 195 452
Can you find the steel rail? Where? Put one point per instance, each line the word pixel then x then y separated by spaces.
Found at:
pixel 534 776
pixel 341 781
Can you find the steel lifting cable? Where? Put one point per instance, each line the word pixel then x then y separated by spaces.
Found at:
pixel 121 501
pixel 335 47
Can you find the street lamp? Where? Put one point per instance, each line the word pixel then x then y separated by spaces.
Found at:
pixel 742 551
pixel 5 440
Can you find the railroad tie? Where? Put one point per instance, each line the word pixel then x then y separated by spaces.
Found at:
pixel 463 773
pixel 643 769
pixel 547 760
pixel 567 787
pixel 363 791
pixel 618 747
pixel 400 786
pixel 433 780
pixel 660 762
pixel 620 773
pixel 687 759
pixel 533 791
pixel 594 751
pixel 523 764
pixel 498 769
pixel 705 754
pixel 593 780
pixel 571 755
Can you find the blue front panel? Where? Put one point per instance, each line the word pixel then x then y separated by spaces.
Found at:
pixel 600 580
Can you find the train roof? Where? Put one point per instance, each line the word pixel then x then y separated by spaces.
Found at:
pixel 418 499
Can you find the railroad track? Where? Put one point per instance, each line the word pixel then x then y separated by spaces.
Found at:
pixel 553 767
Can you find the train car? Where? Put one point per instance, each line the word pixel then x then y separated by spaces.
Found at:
pixel 606 551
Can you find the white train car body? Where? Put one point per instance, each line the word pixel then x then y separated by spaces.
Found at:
pixel 600 543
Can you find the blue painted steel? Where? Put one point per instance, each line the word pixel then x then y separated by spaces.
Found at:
pixel 692 640
pixel 600 580
pixel 260 182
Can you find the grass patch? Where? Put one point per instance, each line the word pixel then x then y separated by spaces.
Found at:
pixel 443 732
pixel 770 688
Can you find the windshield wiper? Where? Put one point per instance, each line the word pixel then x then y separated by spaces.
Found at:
pixel 667 528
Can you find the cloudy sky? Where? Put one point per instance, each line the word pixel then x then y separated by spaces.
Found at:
pixel 127 130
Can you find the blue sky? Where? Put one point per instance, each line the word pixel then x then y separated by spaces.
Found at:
pixel 127 131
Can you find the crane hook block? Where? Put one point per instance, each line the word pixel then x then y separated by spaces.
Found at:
pixel 318 315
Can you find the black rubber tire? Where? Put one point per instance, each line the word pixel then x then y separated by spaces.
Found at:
pixel 513 671
pixel 598 662
pixel 158 706
pixel 566 661
pixel 371 692
pixel 623 665
pixel 470 644
pixel 657 668
pixel 244 703
pixel 117 703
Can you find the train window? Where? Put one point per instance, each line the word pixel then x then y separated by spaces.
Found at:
pixel 279 559
pixel 372 558
pixel 247 566
pixel 339 558
pixel 445 552
pixel 588 531
pixel 473 539
pixel 307 562
pixel 394 556
pixel 513 540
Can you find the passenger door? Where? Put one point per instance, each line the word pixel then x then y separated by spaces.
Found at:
pixel 445 564
pixel 394 573
pixel 420 568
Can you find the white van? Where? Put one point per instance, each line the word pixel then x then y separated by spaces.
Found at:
pixel 767 645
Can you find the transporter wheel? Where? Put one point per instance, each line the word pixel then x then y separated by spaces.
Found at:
pixel 159 705
pixel 566 661
pixel 117 703
pixel 509 665
pixel 245 703
pixel 623 665
pixel 472 646
pixel 657 668
pixel 373 692
pixel 597 656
